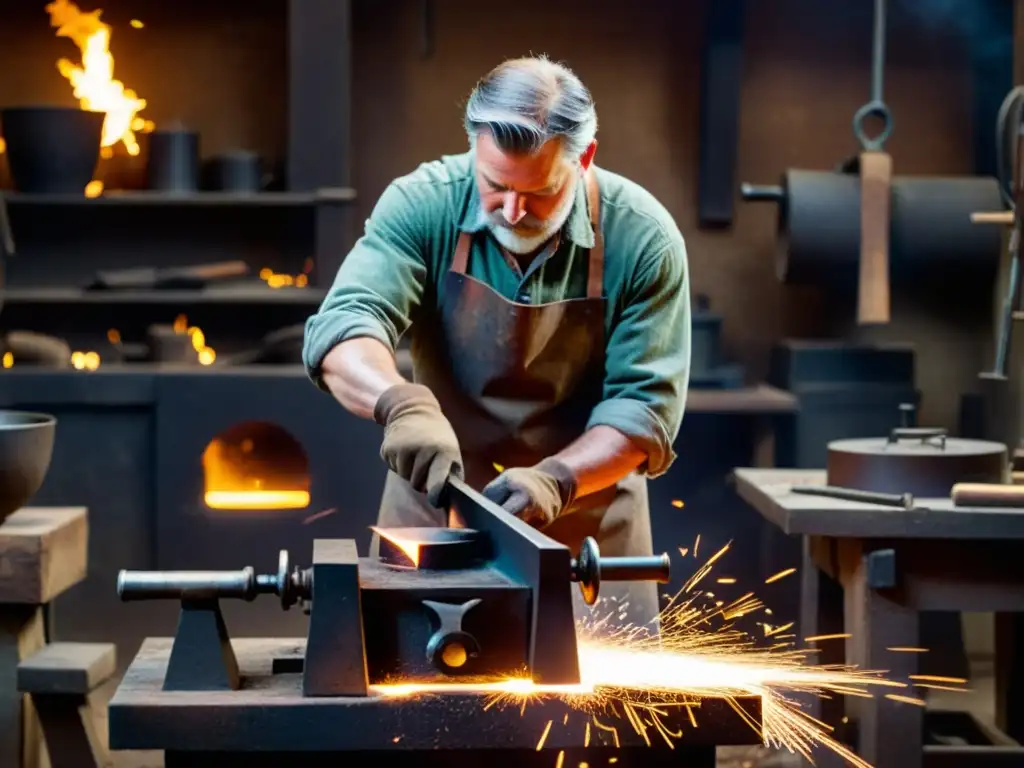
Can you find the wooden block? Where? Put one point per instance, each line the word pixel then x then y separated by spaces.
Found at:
pixel 873 289
pixel 43 552
pixel 72 668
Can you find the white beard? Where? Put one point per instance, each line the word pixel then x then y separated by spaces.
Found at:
pixel 520 244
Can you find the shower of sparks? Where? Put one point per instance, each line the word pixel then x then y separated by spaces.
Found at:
pixel 635 678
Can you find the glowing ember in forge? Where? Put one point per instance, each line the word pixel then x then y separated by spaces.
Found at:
pixel 634 678
pixel 408 547
pixel 278 280
pixel 207 355
pixel 93 82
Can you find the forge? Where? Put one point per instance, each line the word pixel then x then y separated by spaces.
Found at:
pixel 406 650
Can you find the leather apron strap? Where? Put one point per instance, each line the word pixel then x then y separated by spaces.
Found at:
pixel 595 265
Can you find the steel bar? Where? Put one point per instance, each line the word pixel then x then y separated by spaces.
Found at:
pixel 901 500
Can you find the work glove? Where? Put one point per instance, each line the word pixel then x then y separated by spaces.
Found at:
pixel 536 494
pixel 419 443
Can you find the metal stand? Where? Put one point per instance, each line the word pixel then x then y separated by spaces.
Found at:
pixel 202 658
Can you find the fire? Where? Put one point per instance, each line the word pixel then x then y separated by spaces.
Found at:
pixel 207 355
pixel 93 82
pixel 279 280
pixel 233 479
pixel 633 678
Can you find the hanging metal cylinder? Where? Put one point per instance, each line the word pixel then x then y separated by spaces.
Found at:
pixel 819 224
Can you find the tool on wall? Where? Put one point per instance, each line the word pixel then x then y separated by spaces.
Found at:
pixel 1010 154
pixel 875 168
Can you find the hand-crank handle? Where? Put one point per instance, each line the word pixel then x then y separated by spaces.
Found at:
pixel 591 568
pixel 653 568
pixel 192 585
pixel 290 584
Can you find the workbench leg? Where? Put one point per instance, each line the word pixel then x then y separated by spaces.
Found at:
pixel 21 737
pixel 1009 674
pixel 821 613
pixel 890 734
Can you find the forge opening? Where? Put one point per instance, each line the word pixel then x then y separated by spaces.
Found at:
pixel 255 465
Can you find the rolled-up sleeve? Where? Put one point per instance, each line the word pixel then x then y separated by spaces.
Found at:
pixel 379 284
pixel 647 365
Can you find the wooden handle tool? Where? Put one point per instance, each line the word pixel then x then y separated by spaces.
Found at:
pixel 987 495
pixel 873 298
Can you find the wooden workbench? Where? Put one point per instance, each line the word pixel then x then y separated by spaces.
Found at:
pixel 892 564
pixel 43 552
pixel 269 720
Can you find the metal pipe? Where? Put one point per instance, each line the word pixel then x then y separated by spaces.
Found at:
pixel 655 568
pixel 901 500
pixel 192 585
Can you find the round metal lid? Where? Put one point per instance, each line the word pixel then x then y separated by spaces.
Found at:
pixel 929 445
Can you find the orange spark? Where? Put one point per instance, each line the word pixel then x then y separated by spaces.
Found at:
pixel 780 575
pixel 906 699
pixel 677 503
pixel 901 649
pixel 817 638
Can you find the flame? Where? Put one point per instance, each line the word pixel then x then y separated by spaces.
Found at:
pixel 207 355
pixel 635 677
pixel 93 82
pixel 229 486
pixel 409 547
pixel 279 280
pixel 8 360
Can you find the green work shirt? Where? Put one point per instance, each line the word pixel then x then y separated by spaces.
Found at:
pixel 393 278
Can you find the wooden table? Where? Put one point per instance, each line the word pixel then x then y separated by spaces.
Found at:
pixel 892 564
pixel 269 722
pixel 43 552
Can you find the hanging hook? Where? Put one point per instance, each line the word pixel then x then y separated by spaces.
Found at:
pixel 876 106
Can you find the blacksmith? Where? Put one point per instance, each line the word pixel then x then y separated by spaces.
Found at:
pixel 547 303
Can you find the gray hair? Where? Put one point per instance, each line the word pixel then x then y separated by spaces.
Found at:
pixel 524 103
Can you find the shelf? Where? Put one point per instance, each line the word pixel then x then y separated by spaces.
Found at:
pixel 310 297
pixel 193 199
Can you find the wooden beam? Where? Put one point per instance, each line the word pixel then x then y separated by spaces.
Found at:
pixel 720 112
pixel 43 552
pixel 319 94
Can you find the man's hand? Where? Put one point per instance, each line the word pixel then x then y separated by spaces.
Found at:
pixel 419 443
pixel 536 494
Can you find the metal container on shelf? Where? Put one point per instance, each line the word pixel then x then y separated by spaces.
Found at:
pixel 923 461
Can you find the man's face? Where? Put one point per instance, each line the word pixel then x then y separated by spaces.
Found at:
pixel 525 199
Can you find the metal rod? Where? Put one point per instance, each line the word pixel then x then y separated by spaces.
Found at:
pixel 878 54
pixel 655 568
pixel 192 585
pixel 901 500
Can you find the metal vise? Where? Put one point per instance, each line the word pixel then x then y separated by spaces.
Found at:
pixel 487 598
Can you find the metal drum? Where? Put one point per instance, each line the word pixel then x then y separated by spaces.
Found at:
pixel 818 231
pixel 925 462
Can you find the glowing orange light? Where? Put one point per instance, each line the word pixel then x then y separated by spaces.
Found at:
pixel 407 546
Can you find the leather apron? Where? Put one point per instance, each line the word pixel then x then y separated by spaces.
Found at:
pixel 518 383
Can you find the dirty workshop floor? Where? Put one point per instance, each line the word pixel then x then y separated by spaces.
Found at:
pixel 980 702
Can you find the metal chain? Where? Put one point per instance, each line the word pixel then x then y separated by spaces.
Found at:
pixel 876 106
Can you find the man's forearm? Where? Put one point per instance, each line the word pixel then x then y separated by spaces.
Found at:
pixel 600 457
pixel 358 371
